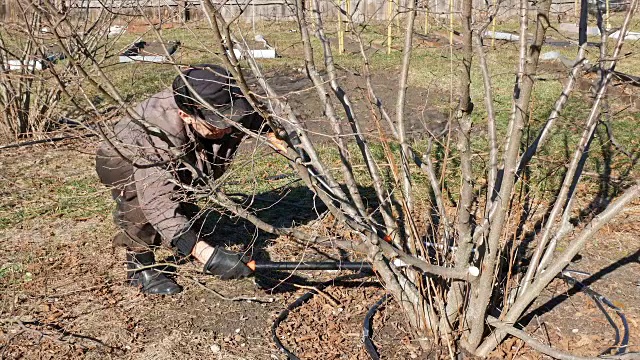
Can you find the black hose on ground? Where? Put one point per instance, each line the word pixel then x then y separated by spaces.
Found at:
pixel 367 331
pixel 600 300
pixel 299 301
pixel 283 315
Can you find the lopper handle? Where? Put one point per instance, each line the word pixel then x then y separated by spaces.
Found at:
pixel 296 265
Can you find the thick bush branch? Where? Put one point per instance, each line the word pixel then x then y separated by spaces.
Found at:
pixel 400 107
pixel 567 191
pixel 329 109
pixel 521 101
pixel 492 174
pixel 463 225
pixel 542 348
pixel 559 263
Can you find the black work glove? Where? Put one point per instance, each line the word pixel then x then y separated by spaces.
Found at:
pixel 226 264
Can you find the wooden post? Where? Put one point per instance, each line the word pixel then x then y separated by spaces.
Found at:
pixel 451 22
pixel 3 10
pixel 340 31
pixel 389 21
pixel 312 9
pixel 397 2
pixel 185 13
pixel 349 14
pixel 426 17
pixel 253 17
pixel 493 25
pixel 607 25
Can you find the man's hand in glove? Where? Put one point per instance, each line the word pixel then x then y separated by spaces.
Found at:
pixel 221 262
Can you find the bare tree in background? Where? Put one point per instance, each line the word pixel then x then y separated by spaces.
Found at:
pixel 458 279
pixel 31 87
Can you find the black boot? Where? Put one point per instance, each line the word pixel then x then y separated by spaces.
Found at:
pixel 149 280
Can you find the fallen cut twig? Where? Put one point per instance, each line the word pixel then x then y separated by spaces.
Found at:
pixel 236 298
pixel 46 141
pixel 328 297
pixel 60 335
pixel 100 286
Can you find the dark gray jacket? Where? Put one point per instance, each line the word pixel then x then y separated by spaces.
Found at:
pixel 154 166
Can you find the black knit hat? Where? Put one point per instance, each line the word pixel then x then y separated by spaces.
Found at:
pixel 216 86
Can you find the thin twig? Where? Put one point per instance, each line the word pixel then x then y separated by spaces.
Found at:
pixel 226 298
pixel 327 297
pixel 559 263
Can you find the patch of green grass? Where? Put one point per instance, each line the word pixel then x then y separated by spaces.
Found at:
pixel 81 198
pixel 12 217
pixel 14 274
pixel 9 268
pixel 76 199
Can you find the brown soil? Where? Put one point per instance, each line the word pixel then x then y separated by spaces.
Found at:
pixel 420 118
pixel 568 319
pixel 574 321
pixel 331 324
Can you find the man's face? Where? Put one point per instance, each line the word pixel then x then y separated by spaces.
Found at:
pixel 203 128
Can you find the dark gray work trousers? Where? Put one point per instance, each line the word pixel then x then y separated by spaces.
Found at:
pixel 136 231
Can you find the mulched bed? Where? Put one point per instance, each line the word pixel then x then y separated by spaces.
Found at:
pixel 319 329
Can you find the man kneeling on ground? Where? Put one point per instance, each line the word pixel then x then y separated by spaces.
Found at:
pixel 143 168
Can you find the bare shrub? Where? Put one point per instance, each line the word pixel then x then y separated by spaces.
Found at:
pixel 37 69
